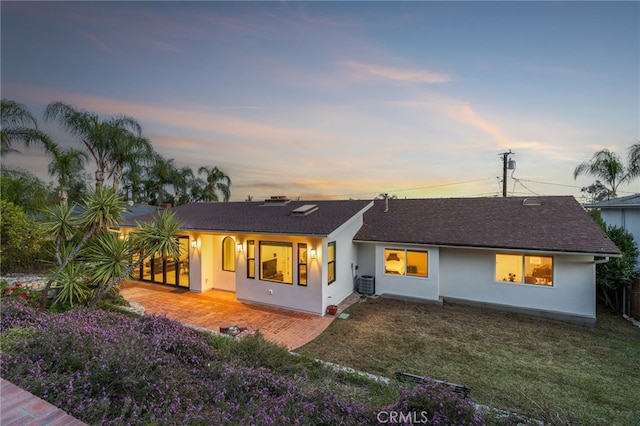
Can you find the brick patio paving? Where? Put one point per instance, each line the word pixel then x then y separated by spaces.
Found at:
pixel 21 408
pixel 216 308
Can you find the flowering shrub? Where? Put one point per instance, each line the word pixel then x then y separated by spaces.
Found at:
pixel 433 403
pixel 25 293
pixel 106 368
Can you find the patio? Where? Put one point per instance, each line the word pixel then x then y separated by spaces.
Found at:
pixel 216 308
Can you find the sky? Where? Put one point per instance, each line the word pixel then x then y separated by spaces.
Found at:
pixel 337 100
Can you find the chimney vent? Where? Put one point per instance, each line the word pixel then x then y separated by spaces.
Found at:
pixel 276 200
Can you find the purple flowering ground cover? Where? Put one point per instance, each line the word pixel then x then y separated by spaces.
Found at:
pixel 108 368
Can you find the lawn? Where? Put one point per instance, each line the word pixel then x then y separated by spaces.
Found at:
pixel 557 372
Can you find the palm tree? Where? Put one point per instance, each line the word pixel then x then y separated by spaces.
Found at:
pixel 66 165
pixel 634 160
pixel 149 238
pixel 160 173
pixel 608 168
pixel 216 181
pixel 103 209
pixel 128 151
pixel 17 125
pixel 180 180
pixel 103 139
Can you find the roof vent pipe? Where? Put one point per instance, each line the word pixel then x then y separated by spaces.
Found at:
pixel 386 202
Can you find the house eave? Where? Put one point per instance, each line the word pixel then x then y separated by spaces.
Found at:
pixel 500 249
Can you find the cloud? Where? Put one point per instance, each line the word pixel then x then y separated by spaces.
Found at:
pixel 191 117
pixel 361 70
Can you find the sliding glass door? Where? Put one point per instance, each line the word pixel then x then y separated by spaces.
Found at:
pixel 166 269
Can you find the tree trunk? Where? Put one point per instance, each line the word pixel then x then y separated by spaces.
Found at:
pixel 117 177
pixel 99 179
pixel 71 256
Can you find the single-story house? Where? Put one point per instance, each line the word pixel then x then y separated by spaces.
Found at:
pixel 536 255
pixel 623 212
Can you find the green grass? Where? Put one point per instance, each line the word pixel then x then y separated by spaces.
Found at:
pixel 553 371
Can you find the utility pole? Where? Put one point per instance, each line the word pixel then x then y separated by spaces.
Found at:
pixel 506 164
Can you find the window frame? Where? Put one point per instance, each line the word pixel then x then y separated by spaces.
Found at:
pixel 523 262
pixel 405 273
pixel 251 259
pixel 261 261
pixel 303 253
pixel 231 247
pixel 331 263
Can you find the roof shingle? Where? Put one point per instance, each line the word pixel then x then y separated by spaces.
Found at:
pixel 256 217
pixel 558 224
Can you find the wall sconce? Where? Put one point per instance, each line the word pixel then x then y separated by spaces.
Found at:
pixel 312 253
pixel 239 247
pixel 195 244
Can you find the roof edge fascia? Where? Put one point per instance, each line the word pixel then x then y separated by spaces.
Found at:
pixel 496 249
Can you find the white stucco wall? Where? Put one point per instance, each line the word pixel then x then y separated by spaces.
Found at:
pixel 291 296
pixel 470 275
pixel 391 284
pixel 346 261
pixel 366 259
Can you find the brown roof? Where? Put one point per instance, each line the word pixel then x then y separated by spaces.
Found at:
pixel 557 224
pixel 256 217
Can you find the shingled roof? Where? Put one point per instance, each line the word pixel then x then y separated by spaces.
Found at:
pixel 265 218
pixel 557 224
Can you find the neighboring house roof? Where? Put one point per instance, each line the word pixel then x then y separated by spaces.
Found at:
pixel 259 217
pixel 557 224
pixel 628 202
pixel 139 209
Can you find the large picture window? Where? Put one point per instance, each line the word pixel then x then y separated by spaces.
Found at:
pixel 228 255
pixel 411 263
pixel 276 262
pixel 331 262
pixel 251 259
pixel 518 268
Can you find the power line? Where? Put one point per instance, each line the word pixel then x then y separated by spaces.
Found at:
pixel 412 189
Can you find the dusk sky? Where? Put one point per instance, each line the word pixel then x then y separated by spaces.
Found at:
pixel 328 100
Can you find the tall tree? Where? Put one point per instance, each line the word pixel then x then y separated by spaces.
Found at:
pixel 216 182
pixel 160 174
pixel 17 125
pixel 128 151
pixel 25 190
pixel 634 160
pixel 66 165
pixel 102 138
pixel 180 180
pixel 607 167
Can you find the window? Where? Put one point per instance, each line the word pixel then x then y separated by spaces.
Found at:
pixel 411 263
pixel 228 254
pixel 276 262
pixel 517 268
pixel 331 262
pixel 302 264
pixel 251 259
